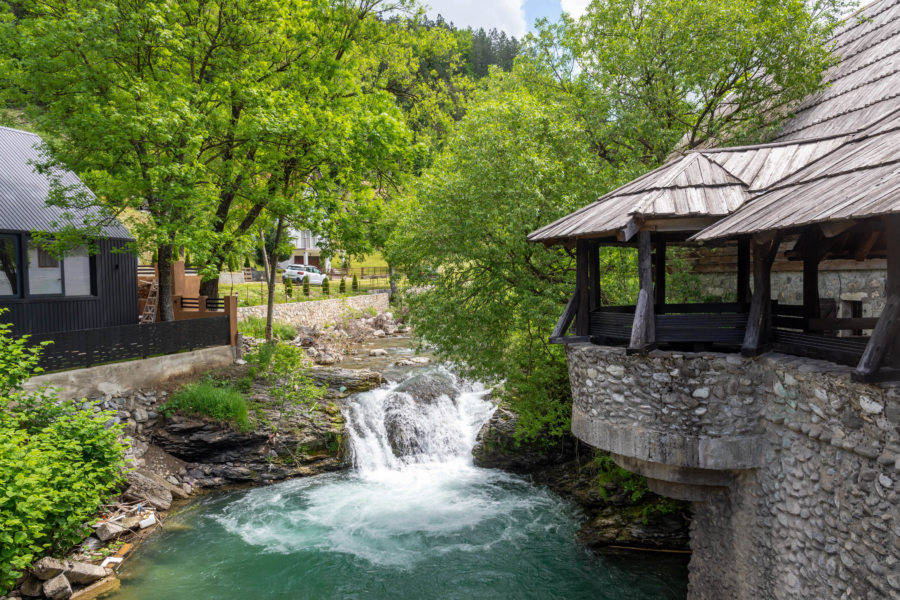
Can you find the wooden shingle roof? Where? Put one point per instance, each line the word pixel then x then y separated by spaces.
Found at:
pixel 702 183
pixel 858 180
pixel 864 86
pixel 863 92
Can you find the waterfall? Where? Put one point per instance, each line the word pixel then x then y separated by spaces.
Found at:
pixel 431 417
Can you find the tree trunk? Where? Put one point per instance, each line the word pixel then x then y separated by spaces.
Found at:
pixel 166 308
pixel 210 287
pixel 393 280
pixel 270 276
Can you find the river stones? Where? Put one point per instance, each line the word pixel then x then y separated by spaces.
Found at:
pixel 83 573
pixel 149 490
pixel 48 568
pixel 58 588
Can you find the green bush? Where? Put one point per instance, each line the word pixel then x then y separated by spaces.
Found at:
pixel 354 285
pixel 208 399
pixel 256 327
pixel 306 286
pixel 59 462
pixel 284 368
pixel 342 288
pixel 288 288
pixel 326 287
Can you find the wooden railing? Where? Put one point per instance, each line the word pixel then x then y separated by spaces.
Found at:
pixel 722 323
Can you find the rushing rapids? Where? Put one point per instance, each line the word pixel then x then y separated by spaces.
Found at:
pixel 412 519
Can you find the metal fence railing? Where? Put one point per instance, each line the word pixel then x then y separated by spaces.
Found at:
pixel 87 347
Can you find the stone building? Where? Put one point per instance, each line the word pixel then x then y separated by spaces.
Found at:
pixel 777 414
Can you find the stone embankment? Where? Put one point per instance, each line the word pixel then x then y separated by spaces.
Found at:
pixel 792 468
pixel 320 313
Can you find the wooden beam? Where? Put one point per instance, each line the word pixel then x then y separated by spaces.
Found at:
pixel 565 320
pixel 594 275
pixel 631 228
pixel 743 271
pixel 865 248
pixel 811 282
pixel 833 228
pixel 643 330
pixel 884 338
pixel 582 288
pixel 660 287
pixel 758 321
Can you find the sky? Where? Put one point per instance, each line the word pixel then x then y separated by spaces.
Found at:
pixel 512 16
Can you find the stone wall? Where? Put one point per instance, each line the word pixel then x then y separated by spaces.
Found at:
pixel 820 515
pixel 318 313
pixel 787 287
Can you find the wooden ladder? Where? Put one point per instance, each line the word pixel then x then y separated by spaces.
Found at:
pixel 149 315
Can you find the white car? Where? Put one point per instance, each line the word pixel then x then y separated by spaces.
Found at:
pixel 297 273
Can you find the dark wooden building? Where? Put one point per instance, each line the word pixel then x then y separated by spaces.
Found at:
pixel 43 294
pixel 826 188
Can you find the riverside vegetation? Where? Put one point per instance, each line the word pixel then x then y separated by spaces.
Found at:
pixel 59 462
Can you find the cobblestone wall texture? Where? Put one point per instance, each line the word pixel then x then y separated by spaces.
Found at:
pixel 820 518
pixel 317 313
pixel 787 288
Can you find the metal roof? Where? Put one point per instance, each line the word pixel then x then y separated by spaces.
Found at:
pixel 24 191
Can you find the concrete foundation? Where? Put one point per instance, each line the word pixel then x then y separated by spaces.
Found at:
pixel 121 378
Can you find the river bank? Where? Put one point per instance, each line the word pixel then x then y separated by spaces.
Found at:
pixel 180 457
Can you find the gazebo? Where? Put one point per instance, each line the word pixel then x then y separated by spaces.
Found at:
pixel 666 207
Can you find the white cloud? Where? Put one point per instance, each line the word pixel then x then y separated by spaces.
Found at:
pixel 506 15
pixel 575 8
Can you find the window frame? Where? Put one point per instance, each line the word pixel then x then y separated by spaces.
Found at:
pixel 20 278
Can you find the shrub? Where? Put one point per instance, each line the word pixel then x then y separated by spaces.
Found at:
pixel 354 285
pixel 288 288
pixel 284 368
pixel 326 287
pixel 59 462
pixel 342 288
pixel 306 286
pixel 256 327
pixel 208 399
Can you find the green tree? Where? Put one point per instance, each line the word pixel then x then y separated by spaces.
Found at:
pixel 589 105
pixel 514 163
pixel 194 119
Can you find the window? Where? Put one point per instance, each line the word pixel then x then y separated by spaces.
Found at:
pixel 9 266
pixel 43 280
pixel 49 276
pixel 77 273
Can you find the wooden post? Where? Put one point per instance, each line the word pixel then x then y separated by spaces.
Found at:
pixel 884 336
pixel 594 276
pixel 660 289
pixel 758 321
pixel 743 274
pixel 643 330
pixel 231 303
pixel 811 258
pixel 583 288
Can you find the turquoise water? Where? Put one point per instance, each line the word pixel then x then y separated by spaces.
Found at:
pixel 476 534
pixel 414 519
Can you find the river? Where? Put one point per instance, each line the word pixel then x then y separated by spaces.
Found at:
pixel 413 519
